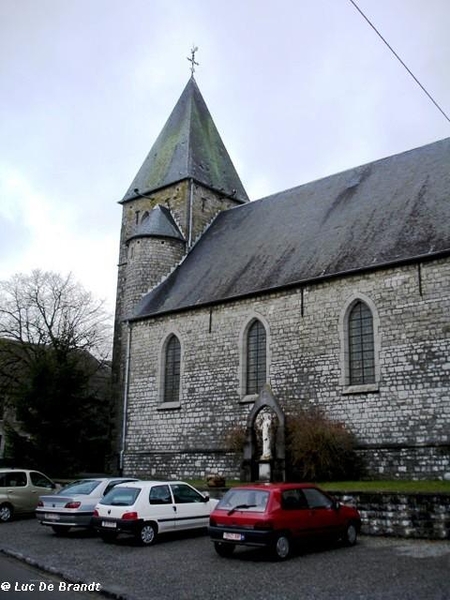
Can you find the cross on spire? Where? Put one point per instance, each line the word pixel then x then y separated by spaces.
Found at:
pixel 192 59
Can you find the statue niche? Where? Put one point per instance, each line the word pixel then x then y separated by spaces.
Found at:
pixel 264 448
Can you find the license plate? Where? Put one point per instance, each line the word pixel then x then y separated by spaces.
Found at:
pixel 51 517
pixel 235 537
pixel 109 524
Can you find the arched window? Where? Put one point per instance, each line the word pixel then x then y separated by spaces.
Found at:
pixel 256 358
pixel 172 370
pixel 361 350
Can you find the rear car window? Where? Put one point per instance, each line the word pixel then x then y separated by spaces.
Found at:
pixel 160 494
pixel 121 496
pixel 293 500
pixel 238 499
pixel 80 487
pixel 13 479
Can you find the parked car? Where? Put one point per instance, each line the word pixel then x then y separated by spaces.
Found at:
pixel 73 505
pixel 274 515
pixel 145 509
pixel 20 490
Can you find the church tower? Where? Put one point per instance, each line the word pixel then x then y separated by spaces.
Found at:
pixel 185 181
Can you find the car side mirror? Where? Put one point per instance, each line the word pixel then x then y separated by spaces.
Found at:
pixel 206 497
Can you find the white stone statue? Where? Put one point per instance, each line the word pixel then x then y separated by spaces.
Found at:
pixel 266 441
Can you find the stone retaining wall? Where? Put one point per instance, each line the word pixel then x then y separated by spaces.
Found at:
pixel 425 516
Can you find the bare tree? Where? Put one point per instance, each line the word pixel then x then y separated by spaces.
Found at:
pixel 54 378
pixel 47 309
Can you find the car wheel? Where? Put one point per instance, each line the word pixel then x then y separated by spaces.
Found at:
pixel 60 530
pixel 224 549
pixel 108 538
pixel 282 547
pixel 146 535
pixel 6 513
pixel 350 535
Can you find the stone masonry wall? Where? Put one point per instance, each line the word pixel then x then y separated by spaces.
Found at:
pixel 425 516
pixel 206 204
pixel 401 423
pixel 144 262
pixel 148 263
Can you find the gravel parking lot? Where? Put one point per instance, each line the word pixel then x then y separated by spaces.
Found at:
pixel 185 567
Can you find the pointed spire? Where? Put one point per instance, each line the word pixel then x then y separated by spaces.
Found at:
pixel 189 146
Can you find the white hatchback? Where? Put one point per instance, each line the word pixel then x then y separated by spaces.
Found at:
pixel 144 509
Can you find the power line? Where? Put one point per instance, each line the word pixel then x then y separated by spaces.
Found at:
pixel 400 60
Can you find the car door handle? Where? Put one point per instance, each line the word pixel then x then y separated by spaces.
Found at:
pixel 174 508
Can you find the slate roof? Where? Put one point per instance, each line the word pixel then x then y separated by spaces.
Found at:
pixel 159 223
pixel 189 146
pixel 389 211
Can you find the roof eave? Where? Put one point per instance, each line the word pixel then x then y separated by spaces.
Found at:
pixel 150 191
pixel 299 283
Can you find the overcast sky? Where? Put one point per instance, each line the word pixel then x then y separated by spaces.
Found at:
pixel 298 90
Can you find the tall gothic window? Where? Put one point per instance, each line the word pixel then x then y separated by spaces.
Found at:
pixel 172 370
pixel 256 357
pixel 361 345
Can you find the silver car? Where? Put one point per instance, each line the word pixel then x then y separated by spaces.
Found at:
pixel 73 505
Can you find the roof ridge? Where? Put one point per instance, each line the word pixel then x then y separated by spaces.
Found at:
pixel 361 166
pixel 189 132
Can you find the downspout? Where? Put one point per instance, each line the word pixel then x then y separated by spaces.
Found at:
pixel 191 200
pixel 125 397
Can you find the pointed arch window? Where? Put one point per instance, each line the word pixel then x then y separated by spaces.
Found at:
pixel 361 350
pixel 172 363
pixel 256 358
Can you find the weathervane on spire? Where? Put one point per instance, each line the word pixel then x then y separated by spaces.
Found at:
pixel 192 59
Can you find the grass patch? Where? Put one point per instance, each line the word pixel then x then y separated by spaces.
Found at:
pixel 411 487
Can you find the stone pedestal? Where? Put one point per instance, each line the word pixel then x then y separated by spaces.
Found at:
pixel 265 471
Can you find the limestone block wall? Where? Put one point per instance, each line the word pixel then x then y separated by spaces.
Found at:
pixel 144 262
pixel 149 261
pixel 401 422
pixel 425 516
pixel 206 204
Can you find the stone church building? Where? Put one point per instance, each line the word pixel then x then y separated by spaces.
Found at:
pixel 334 294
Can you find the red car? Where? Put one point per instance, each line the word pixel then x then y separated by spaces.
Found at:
pixel 274 515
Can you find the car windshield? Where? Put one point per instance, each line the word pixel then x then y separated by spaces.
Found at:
pixel 121 496
pixel 243 499
pixel 85 486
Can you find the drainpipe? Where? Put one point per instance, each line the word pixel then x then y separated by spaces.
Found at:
pixel 191 199
pixel 125 397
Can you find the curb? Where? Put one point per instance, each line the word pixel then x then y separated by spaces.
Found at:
pixel 107 592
